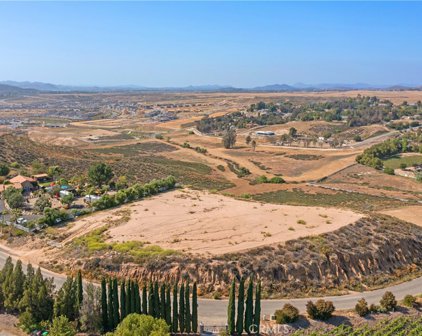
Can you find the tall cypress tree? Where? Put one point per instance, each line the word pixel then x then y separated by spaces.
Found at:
pixel 249 307
pixel 13 287
pixel 137 299
pixel 182 308
pixel 188 325
pixel 195 308
pixel 175 324
pixel 132 297
pixel 144 300
pixel 231 309
pixel 240 307
pixel 104 311
pixel 111 319
pixel 128 298
pixel 156 301
pixel 168 305
pixel 116 302
pixel 151 299
pixel 123 300
pixel 257 313
pixel 163 301
pixel 79 288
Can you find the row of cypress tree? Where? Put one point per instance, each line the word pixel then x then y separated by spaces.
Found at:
pixel 168 302
pixel 247 316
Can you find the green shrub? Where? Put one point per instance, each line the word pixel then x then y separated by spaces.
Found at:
pixel 137 324
pixel 321 310
pixel 277 179
pixel 61 326
pixel 13 197
pixel 388 302
pixel 389 171
pixel 362 308
pixel 288 314
pixel 4 170
pixel 201 150
pixel 262 179
pixel 409 301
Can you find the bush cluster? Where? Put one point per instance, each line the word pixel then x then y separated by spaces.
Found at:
pixel 288 314
pixel 264 179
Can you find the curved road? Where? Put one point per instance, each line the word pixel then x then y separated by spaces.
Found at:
pixel 213 312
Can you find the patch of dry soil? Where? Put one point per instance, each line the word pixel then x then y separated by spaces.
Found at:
pixel 204 223
pixel 412 214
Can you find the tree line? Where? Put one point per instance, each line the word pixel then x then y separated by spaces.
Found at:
pixel 373 156
pixel 172 303
pixel 135 192
pixel 246 315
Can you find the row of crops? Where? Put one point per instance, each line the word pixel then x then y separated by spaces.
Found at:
pixel 401 326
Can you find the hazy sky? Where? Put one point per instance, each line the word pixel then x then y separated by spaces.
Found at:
pixel 231 43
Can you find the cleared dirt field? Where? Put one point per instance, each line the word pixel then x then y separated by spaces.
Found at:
pixel 412 214
pixel 69 136
pixel 200 222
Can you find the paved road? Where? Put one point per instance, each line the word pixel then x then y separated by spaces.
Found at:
pixel 213 312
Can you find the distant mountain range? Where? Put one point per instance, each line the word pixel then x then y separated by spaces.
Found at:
pixel 34 87
pixel 9 90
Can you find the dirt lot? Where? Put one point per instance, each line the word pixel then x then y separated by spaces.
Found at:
pixel 412 214
pixel 200 222
pixel 8 326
